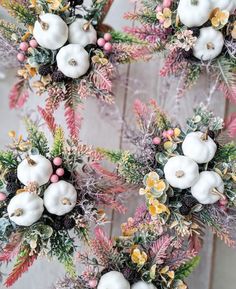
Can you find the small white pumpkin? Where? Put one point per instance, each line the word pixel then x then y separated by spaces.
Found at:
pixel 199 147
pixel 194 13
pixel 143 285
pixel 82 32
pixel 25 209
pixel 50 31
pixel 209 188
pixel 73 60
pixel 60 198
pixel 228 5
pixel 181 172
pixel 209 44
pixel 113 280
pixel 34 168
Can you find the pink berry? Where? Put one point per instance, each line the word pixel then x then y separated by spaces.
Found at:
pixel 21 57
pixel 33 43
pixel 159 8
pixel 24 46
pixel 108 47
pixel 170 132
pixel 54 179
pixel 223 202
pixel 57 161
pixel 166 3
pixel 107 36
pixel 156 140
pixel 101 42
pixel 165 134
pixel 93 283
pixel 2 197
pixel 60 172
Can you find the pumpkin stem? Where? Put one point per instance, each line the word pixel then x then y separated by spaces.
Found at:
pixel 44 25
pixel 194 2
pixel 86 26
pixel 204 136
pixel 17 213
pixel 179 174
pixel 218 193
pixel 210 46
pixel 72 62
pixel 30 161
pixel 66 201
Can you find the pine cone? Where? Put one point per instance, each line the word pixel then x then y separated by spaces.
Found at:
pixel 10 177
pixel 184 210
pixel 12 188
pixel 69 223
pixel 58 76
pixel 196 31
pixel 187 54
pixel 74 3
pixel 44 70
pixel 190 202
pixel 58 224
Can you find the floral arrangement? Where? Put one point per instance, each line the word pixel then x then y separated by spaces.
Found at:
pixel 47 192
pixel 196 36
pixel 71 51
pixel 188 176
pixel 145 256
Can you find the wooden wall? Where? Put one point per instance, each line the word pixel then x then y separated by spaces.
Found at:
pixel 137 80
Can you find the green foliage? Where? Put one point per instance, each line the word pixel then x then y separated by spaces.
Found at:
pixel 226 153
pixel 128 167
pixel 37 138
pixel 62 248
pixel 203 118
pixel 226 66
pixel 120 37
pixel 185 270
pixel 58 144
pixel 19 11
pixel 41 56
pixel 8 160
pixel 10 31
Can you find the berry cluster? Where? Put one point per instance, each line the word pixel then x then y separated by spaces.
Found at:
pixel 105 42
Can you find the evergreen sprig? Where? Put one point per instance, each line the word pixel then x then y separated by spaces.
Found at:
pixel 37 138
pixel 8 160
pixel 120 37
pixel 58 144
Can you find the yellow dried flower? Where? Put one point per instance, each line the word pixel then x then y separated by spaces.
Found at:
pixel 138 257
pixel 165 17
pixel 219 18
pixel 157 208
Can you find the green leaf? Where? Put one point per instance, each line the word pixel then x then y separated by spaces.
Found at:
pixel 8 160
pixel 185 270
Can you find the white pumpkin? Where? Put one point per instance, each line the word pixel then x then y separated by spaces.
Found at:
pixel 199 147
pixel 73 60
pixel 228 5
pixel 194 13
pixel 181 172
pixel 82 32
pixel 113 280
pixel 143 285
pixel 25 209
pixel 209 188
pixel 60 198
pixel 34 168
pixel 209 44
pixel 50 31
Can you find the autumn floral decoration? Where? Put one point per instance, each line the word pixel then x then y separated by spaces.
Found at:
pixel 146 255
pixel 66 45
pixel 196 36
pixel 46 195
pixel 188 176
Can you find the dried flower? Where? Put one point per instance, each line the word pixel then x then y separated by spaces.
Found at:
pixel 165 17
pixel 138 257
pixel 219 18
